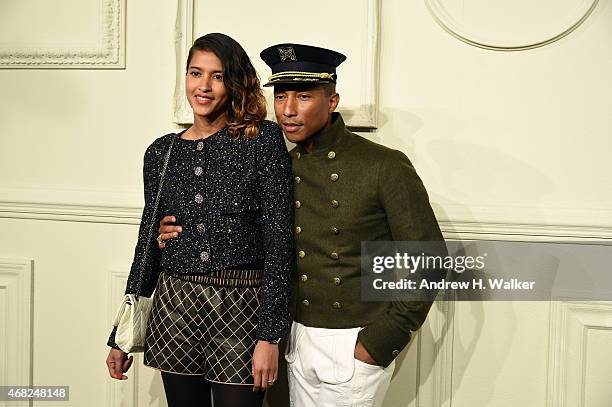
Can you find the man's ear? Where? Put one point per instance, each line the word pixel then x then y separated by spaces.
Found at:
pixel 333 102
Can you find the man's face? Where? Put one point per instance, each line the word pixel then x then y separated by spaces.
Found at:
pixel 303 111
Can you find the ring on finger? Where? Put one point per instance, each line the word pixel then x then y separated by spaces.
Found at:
pixel 159 239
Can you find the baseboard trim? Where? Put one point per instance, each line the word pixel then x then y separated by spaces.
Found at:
pixel 130 215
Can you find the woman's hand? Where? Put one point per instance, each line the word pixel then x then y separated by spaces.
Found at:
pixel 118 363
pixel 167 230
pixel 265 365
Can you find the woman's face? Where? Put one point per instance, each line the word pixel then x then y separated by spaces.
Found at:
pixel 204 85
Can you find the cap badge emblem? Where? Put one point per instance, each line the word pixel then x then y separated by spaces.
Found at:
pixel 287 54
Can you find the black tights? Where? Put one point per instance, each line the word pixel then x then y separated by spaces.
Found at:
pixel 195 391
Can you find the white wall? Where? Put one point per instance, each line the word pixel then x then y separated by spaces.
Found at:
pixel 511 145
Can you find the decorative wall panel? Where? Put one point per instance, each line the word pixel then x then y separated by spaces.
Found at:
pixel 16 321
pixel 581 335
pixel 275 23
pixel 510 25
pixel 42 34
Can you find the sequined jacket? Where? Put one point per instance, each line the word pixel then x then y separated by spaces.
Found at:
pixel 234 201
pixel 350 190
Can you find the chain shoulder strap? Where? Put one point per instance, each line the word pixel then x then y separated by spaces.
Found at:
pixel 154 215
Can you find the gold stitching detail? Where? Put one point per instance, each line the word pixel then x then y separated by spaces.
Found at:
pixel 305 76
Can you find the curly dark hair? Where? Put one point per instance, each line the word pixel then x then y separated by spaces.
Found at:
pixel 246 108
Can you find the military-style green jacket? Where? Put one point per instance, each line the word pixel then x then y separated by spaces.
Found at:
pixel 349 190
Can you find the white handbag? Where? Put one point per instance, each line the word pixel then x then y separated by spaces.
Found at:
pixel 133 314
pixel 131 322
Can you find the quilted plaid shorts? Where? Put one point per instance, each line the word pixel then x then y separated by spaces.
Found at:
pixel 205 325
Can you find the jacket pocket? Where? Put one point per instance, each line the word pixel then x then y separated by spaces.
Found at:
pixel 293 342
pixel 236 231
pixel 334 351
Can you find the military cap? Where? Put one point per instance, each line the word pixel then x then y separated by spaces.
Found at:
pixel 297 63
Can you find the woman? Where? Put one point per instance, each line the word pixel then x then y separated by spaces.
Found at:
pixel 221 287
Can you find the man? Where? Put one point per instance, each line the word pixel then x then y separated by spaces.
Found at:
pixel 341 350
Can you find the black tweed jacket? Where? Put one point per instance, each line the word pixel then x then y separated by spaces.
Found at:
pixel 234 200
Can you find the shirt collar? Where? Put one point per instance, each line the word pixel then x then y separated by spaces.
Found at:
pixel 326 138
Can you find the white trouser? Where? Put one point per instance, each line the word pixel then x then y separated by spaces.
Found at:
pixel 323 371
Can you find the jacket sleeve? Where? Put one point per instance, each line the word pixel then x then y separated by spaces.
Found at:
pixel 153 159
pixel 410 218
pixel 276 200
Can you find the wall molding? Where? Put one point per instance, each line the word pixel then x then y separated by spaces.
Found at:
pixel 569 325
pixel 478 230
pixel 436 357
pixel 108 53
pixel 16 295
pixel 183 39
pixel 530 232
pixel 73 204
pixel 76 204
pixel 71 212
pixel 365 116
pixel 469 35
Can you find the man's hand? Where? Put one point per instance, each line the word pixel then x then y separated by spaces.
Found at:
pixel 265 365
pixel 362 354
pixel 118 363
pixel 167 230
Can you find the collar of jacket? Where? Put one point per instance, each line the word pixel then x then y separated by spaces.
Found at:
pixel 327 138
